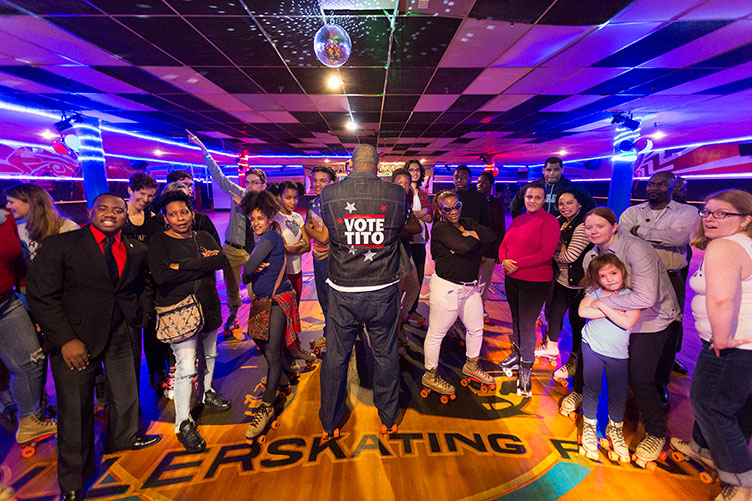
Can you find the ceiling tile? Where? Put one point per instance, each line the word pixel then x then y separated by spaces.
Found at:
pixel 580 12
pixel 452 80
pixel 505 102
pixel 295 102
pixel 649 10
pixel 539 79
pixel 260 102
pixel 408 81
pixel 572 103
pixel 330 103
pixel 520 11
pixel 540 43
pixel 435 102
pixel 421 41
pixel 495 80
pixel 115 38
pixel 722 77
pixel 231 80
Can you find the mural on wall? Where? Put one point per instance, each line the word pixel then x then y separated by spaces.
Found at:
pixel 36 162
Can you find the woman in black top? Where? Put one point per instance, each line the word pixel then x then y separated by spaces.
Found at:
pixel 456 246
pixel 265 267
pixel 183 262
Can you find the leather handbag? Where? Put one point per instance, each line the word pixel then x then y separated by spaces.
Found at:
pixel 260 314
pixel 180 321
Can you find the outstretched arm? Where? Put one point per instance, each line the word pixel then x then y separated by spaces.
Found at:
pixel 233 190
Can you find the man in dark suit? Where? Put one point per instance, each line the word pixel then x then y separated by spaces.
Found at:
pixel 83 290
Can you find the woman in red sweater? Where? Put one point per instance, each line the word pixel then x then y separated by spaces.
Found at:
pixel 19 345
pixel 526 253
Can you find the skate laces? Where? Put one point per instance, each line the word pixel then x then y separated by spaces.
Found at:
pixel 260 414
pixel 439 381
pixel 48 423
pixel 572 399
pixel 728 492
pixel 589 433
pixel 650 443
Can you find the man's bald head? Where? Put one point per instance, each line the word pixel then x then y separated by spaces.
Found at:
pixel 667 177
pixel 365 158
pixel 659 189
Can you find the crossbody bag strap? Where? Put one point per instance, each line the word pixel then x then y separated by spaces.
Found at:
pixel 279 278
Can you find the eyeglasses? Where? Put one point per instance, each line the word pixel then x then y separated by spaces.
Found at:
pixel 448 210
pixel 718 214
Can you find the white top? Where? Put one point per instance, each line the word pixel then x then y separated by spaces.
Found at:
pixel 418 238
pixel 668 229
pixel 33 245
pixel 743 298
pixel 291 225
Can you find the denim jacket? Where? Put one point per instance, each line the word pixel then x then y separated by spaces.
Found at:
pixel 364 216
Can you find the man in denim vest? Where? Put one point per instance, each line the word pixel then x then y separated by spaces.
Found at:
pixel 364 216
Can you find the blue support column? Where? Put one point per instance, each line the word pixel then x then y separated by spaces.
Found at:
pixel 620 189
pixel 91 157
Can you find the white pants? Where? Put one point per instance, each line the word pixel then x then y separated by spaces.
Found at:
pixel 448 301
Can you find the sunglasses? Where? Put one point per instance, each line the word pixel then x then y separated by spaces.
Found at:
pixel 448 210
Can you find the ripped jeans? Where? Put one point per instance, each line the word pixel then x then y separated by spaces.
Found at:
pixel 21 353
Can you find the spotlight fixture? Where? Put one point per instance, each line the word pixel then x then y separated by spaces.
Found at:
pixel 351 125
pixel 622 120
pixel 625 145
pixel 67 122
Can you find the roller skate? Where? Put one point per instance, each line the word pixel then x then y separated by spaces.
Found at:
pixel 416 320
pixel 262 421
pixel 511 363
pixel 326 436
pixel 384 430
pixel 472 371
pixel 570 404
pixel 100 395
pixel 31 431
pixel 524 382
pixel 433 382
pixel 614 443
pixel 7 493
pixel 169 385
pixel 548 349
pixel 681 452
pixel 589 439
pixel 284 388
pixel 734 493
pixel 318 346
pixel 299 353
pixel 649 450
pixel 232 328
pixel 566 371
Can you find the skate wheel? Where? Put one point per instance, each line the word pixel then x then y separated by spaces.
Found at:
pixel 383 429
pixel 606 445
pixel 424 393
pixel 677 456
pixel 316 351
pixel 572 415
pixel 452 396
pixel 579 440
pixel 335 434
pixel 613 456
pixel 444 399
pixel 663 455
pixel 28 451
pixel 274 425
pixel 706 477
pixel 492 386
pixel 483 388
pixel 464 382
pixel 262 439
pixel 651 466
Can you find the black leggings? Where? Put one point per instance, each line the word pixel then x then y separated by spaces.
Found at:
pixel 418 252
pixel 272 351
pixel 525 302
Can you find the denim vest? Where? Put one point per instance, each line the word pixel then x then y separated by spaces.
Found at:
pixel 364 216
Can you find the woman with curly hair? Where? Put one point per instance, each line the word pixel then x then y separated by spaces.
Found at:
pixel 265 271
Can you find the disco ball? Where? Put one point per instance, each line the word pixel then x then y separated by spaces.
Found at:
pixel 332 45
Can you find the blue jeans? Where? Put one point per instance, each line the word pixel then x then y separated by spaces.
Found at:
pixel 348 311
pixel 320 274
pixel 617 375
pixel 22 355
pixel 185 369
pixel 721 397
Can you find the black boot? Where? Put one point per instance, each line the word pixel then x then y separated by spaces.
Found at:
pixel 190 437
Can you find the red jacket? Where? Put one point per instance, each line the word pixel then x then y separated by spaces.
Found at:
pixel 12 264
